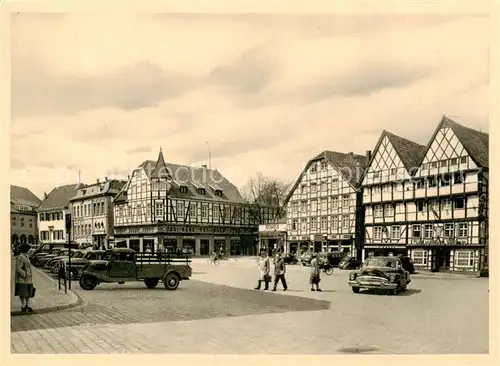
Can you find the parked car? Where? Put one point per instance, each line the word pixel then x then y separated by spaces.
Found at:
pixel 291 259
pixel 42 258
pixel 61 254
pixel 349 263
pixel 55 263
pixel 382 273
pixel 407 264
pixel 77 264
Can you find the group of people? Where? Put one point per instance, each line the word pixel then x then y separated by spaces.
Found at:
pixel 278 261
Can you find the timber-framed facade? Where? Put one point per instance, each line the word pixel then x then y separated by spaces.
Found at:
pixel 431 202
pixel 324 211
pixel 184 208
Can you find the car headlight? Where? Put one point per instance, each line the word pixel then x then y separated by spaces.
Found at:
pixel 352 276
pixel 392 278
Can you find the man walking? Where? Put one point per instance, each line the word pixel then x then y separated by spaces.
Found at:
pixel 279 271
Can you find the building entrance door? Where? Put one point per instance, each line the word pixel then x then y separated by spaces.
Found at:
pixel 317 246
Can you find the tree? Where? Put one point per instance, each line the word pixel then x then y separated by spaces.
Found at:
pixel 266 197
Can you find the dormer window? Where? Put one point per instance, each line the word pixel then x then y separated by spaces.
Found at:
pixel 183 189
pixel 218 193
pixel 201 191
pixel 199 188
pixel 217 189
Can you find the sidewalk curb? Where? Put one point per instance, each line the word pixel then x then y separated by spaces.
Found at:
pixel 75 301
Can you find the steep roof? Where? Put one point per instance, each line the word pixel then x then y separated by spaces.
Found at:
pixel 409 151
pixel 108 187
pixel 59 198
pixel 476 143
pixel 23 196
pixel 350 166
pixel 184 175
pixel 160 170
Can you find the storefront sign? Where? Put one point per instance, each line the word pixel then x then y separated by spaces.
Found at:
pixel 439 242
pixel 272 227
pixel 385 247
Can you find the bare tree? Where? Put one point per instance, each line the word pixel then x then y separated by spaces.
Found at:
pixel 266 196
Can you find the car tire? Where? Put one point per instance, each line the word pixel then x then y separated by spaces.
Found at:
pixel 329 271
pixel 171 281
pixel 151 282
pixel 88 282
pixel 355 290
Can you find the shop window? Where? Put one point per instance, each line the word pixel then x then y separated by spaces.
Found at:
pixel 464 258
pixel 419 257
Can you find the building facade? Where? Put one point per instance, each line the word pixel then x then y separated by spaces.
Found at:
pixel 273 236
pixel 324 205
pixel 52 214
pixel 388 195
pixel 23 216
pixel 181 207
pixel 436 208
pixel 92 213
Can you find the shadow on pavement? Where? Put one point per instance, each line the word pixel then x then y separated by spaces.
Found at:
pixel 408 292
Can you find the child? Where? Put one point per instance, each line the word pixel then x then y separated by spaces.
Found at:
pixel 315 273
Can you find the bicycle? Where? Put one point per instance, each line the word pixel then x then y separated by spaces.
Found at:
pixel 213 260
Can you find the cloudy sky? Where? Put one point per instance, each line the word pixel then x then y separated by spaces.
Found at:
pixel 103 93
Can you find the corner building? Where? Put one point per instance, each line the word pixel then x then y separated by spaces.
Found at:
pixel 323 207
pixel 430 202
pixel 182 207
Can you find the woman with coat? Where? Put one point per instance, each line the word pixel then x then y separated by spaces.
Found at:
pixel 23 278
pixel 264 269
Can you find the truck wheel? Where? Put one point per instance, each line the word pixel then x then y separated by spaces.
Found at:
pixel 88 282
pixel 151 282
pixel 171 281
pixel 355 290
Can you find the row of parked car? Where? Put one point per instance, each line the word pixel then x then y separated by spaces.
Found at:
pixel 55 259
pixel 340 260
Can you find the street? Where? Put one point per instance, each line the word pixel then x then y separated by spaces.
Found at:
pixel 219 312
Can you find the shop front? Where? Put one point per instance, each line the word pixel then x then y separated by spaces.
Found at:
pixel 371 250
pixel 273 237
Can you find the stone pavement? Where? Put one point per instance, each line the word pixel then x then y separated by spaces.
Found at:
pixel 435 316
pixel 48 297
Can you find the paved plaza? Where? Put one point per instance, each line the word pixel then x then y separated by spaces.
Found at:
pixel 219 312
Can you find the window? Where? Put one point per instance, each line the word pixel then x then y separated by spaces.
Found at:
pixel 445 180
pixel 464 258
pixel 389 210
pixel 335 222
pixel 180 210
pixel 463 160
pixel 376 175
pixel 386 188
pixel 314 168
pixel 446 204
pixel 294 224
pixel 13 221
pixel 158 209
pixel 428 231
pixel 449 231
pixel 216 212
pixel 156 186
pixel 314 206
pixel 204 211
pixel 295 207
pixel 459 203
pixel 419 257
pixel 324 223
pixel 434 164
pixel 425 166
pixel 22 221
pixel 420 206
pixel 376 190
pixel 345 221
pixel 453 161
pixel 443 163
pixel 345 202
pixel 431 182
pixel 335 202
pixel 458 178
pixel 335 183
pixel 324 204
pixel 324 165
pixel 462 230
pixel 416 231
pixel 378 211
pixel 394 171
pixel 303 188
pixel 30 223
pixel 314 187
pixel 396 232
pixel 377 232
pixel 303 206
pixel 313 223
pixel 323 186
pixel 303 224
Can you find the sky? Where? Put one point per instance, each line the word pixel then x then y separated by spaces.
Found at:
pixel 264 93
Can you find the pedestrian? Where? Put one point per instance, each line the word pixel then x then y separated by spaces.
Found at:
pixel 23 279
pixel 315 278
pixel 279 271
pixel 264 269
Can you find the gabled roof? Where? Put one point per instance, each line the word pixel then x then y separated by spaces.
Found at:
pixel 23 196
pixel 108 187
pixel 350 166
pixel 160 170
pixel 184 175
pixel 476 143
pixel 408 151
pixel 59 198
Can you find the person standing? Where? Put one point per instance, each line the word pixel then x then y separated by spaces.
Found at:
pixel 279 271
pixel 24 279
pixel 264 269
pixel 315 278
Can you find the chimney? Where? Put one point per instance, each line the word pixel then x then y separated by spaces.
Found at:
pixel 45 195
pixel 204 166
pixel 106 179
pixel 97 180
pixel 368 154
pixel 128 177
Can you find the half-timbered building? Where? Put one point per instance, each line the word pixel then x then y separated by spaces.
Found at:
pixel 429 202
pixel 166 205
pixel 449 222
pixel 324 205
pixel 388 194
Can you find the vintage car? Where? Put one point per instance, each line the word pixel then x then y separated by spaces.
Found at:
pixel 77 264
pixel 62 253
pixel 124 265
pixel 47 249
pixel 381 273
pixel 290 259
pixel 349 263
pixel 46 258
pixel 55 263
